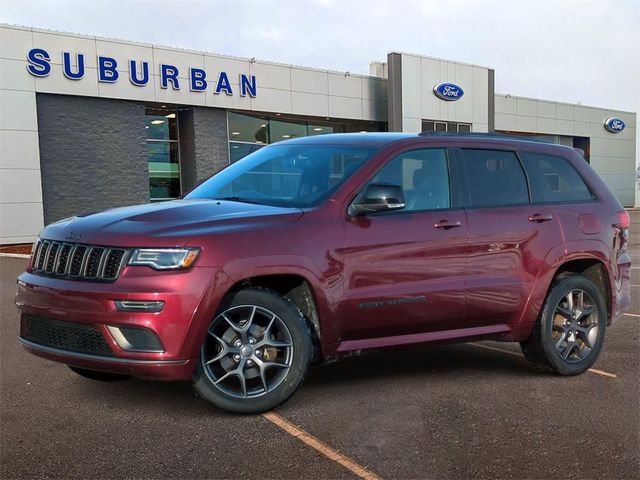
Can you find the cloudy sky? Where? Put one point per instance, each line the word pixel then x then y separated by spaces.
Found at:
pixel 585 51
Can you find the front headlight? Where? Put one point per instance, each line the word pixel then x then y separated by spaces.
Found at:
pixel 164 258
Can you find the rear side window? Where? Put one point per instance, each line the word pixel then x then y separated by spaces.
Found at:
pixel 553 179
pixel 494 178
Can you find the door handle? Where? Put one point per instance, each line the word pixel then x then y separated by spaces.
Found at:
pixel 539 218
pixel 446 225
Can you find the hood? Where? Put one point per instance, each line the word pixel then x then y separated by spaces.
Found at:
pixel 171 223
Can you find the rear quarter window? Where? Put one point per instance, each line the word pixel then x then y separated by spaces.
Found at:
pixel 554 180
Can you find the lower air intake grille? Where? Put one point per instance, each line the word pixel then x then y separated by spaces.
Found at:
pixel 68 336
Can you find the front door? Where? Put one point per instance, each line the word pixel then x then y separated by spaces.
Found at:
pixel 405 270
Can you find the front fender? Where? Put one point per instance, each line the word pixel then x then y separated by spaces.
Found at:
pixel 325 283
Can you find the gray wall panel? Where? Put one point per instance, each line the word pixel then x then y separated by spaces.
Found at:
pixel 92 154
pixel 212 146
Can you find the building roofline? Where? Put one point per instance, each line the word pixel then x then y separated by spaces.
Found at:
pixel 509 95
pixel 184 50
pixel 456 62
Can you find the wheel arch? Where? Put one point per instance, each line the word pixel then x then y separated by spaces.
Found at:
pixel 592 267
pixel 584 256
pixel 295 288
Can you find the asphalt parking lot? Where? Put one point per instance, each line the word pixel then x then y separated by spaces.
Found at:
pixel 455 411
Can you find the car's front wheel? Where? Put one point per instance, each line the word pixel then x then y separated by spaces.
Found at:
pixel 569 333
pixel 256 352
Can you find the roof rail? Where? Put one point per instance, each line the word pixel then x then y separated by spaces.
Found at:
pixel 462 134
pixel 483 135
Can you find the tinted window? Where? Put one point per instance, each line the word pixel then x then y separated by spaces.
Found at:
pixel 285 175
pixel 423 175
pixel 494 177
pixel 553 179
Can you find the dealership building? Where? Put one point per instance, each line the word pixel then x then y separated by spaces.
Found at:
pixel 89 123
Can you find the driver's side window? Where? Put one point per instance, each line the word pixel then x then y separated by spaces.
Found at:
pixel 423 175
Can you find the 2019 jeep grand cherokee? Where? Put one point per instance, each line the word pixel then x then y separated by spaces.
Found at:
pixel 313 248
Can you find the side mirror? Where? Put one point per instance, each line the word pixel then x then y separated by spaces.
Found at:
pixel 378 197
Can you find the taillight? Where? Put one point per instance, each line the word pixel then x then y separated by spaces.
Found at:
pixel 623 224
pixel 624 220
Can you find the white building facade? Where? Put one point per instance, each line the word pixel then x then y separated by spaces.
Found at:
pixel 89 123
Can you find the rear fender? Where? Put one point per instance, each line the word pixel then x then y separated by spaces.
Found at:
pixel 558 256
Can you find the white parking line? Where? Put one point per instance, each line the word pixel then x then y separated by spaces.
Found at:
pixel 502 350
pixel 632 315
pixel 320 447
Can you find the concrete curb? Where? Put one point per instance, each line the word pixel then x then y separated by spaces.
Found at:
pixel 14 255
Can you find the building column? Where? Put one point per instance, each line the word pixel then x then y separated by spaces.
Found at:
pixel 204 146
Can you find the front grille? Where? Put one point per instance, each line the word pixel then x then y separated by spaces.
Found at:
pixel 78 262
pixel 63 335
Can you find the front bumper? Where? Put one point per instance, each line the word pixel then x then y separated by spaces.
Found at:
pixel 180 325
pixel 146 369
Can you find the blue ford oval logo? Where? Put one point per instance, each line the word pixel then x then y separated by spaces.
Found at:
pixel 614 124
pixel 448 91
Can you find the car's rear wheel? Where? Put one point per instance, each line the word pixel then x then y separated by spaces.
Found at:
pixel 256 352
pixel 100 376
pixel 569 333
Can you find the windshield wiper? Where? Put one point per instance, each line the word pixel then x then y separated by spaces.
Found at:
pixel 239 199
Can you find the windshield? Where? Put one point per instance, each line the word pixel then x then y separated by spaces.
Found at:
pixel 285 175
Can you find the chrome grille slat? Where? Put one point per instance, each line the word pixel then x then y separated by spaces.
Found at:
pixel 63 259
pixel 52 255
pixel 37 252
pixel 43 255
pixel 78 261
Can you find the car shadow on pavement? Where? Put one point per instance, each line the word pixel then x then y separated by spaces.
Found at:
pixel 422 363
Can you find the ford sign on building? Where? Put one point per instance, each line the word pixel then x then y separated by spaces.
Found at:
pixel 89 123
pixel 448 91
pixel 614 125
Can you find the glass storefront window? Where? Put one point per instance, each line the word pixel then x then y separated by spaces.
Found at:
pixel 248 133
pixel 281 130
pixel 451 127
pixel 315 129
pixel 161 127
pixel 238 150
pixel 244 128
pixel 163 154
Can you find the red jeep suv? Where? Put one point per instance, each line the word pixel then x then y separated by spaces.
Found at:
pixel 319 247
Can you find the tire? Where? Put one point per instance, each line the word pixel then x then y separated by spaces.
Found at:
pixel 100 376
pixel 566 339
pixel 256 352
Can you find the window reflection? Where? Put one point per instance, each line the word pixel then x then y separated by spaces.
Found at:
pixel 248 133
pixel 286 130
pixel 163 154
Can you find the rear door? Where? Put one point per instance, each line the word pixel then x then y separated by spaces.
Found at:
pixel 404 270
pixel 509 237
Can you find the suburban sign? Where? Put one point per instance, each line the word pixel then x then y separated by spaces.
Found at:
pixel 109 71
pixel 614 124
pixel 448 91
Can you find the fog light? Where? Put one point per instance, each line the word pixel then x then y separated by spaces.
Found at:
pixel 134 339
pixel 139 305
